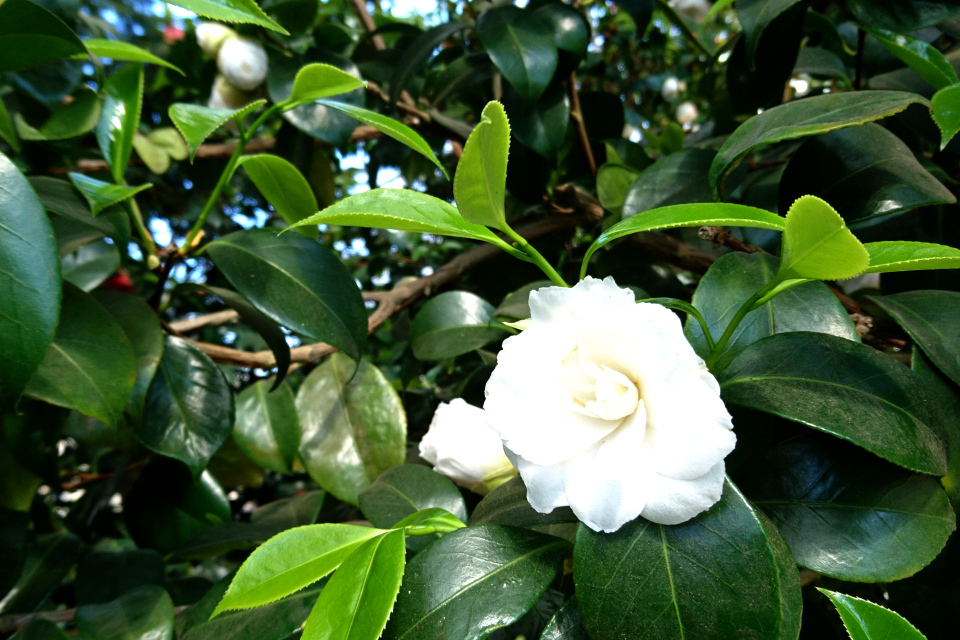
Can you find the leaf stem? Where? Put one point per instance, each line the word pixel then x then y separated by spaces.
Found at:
pixel 689 309
pixel 426 530
pixel 535 256
pixel 742 312
pixel 137 217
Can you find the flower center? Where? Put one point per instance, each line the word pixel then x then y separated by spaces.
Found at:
pixel 597 390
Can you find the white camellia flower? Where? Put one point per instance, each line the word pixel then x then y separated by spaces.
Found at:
pixel 603 405
pixel 243 63
pixel 462 447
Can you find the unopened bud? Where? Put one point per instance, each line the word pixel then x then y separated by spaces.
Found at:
pixel 687 112
pixel 211 35
pixel 243 63
pixel 226 96
pixel 153 262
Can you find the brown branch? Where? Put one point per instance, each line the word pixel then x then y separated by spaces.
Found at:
pixel 360 8
pixel 721 238
pixel 16 621
pixel 577 115
pixel 666 248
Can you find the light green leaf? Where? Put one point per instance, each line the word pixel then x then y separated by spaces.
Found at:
pixel 100 195
pixel 267 427
pixel 290 561
pixel 902 255
pixel 243 11
pixel 170 140
pixel 867 621
pixel 120 117
pixel 480 182
pixel 356 603
pixel 318 80
pixel 454 323
pixel 196 123
pixel 284 187
pixel 30 35
pixel 946 113
pixel 6 129
pixel 428 519
pixel 686 215
pixel 925 59
pixel 69 121
pixel 117 50
pixel 155 158
pixel 817 244
pixel 145 612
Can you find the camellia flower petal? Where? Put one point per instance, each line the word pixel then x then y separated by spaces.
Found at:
pixel 603 406
pixel 462 447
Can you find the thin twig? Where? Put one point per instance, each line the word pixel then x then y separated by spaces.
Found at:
pixel 721 238
pixel 360 8
pixel 577 115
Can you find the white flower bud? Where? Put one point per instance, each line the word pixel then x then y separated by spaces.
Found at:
pixel 687 112
pixel 670 89
pixel 243 63
pixel 224 95
pixel 210 35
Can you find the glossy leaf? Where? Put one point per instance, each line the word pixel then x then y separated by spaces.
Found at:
pixel 800 118
pixel 843 388
pixel 267 427
pixel 864 172
pixel 353 426
pixel 120 117
pixel 30 35
pixel 454 323
pixel 196 123
pixel 269 271
pixel 522 47
pixel 566 624
pixel 900 255
pixel 726 573
pixel 542 125
pixel 100 195
pixel 679 178
pixel 143 612
pixel 571 31
pixel 275 621
pixel 60 197
pixel 358 599
pixel 284 187
pixel 244 11
pixel 417 53
pixel 317 80
pixel 473 581
pixel 925 59
pixel 480 182
pixel 188 411
pixel 507 504
pixel 932 318
pixel 432 518
pixel 756 15
pixel 118 50
pixel 69 121
pixel 49 559
pixel 686 215
pixel 946 113
pixel 291 561
pixel 902 15
pixel 818 245
pixel 90 365
pixel 87 267
pixel 735 277
pixel 865 620
pixel 29 282
pixel 947 395
pixel 613 183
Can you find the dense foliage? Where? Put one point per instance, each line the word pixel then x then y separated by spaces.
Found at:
pixel 247 250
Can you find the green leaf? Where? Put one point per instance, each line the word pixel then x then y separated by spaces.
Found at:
pixel 49 559
pixel 100 195
pixel 571 31
pixel 456 587
pixel 686 215
pixel 818 245
pixel 291 512
pixel 566 624
pixel 188 411
pixel 169 140
pixel 87 267
pixel 865 621
pixel 14 530
pixel 613 183
pixel 733 279
pixel 864 172
pixel 284 187
pixel 679 178
pixel 7 133
pixel 507 504
pixel 541 125
pixel 40 629
pixel 454 323
pixel 755 16
pixel 356 603
pixel 901 255
pixel 517 303
pixel 403 210
pixel 267 428
pixel 925 59
pixel 117 50
pixel 69 121
pixel 90 365
pixel 480 182
pixel 946 113
pixel 29 282
pixel 155 158
pixel 846 513
pixel 389 127
pixel 317 80
pixel 120 117
pixel 290 561
pixel 103 576
pixel 947 396
pixel 932 318
pixel 521 45
pixel 145 612
pixel 417 53
pixel 275 621
pixel 723 574
pixel 30 35
pixel 269 271
pixel 196 123
pixel 431 518
pixel 360 417
pixel 272 334
pixel 841 387
pixel 821 62
pixel 807 117
pixel 60 197
pixel 243 11
pixel 902 15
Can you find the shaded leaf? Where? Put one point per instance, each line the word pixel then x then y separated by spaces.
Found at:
pixel 679 178
pixel 7 134
pixel 120 117
pixel 87 267
pixel 613 183
pixel 454 323
pixel 566 624
pixel 756 15
pixel 507 504
pixel 542 125
pixel 275 621
pixel 902 15
pixel 14 529
pixel 40 629
pixel 49 559
pixel 267 427
pixel 69 121
pixel 103 576
pixel 417 53
pixel 522 46
pixel 144 612
pixel 30 35
pixel 925 59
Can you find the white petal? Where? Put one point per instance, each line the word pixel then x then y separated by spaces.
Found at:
pixel 461 446
pixel 675 501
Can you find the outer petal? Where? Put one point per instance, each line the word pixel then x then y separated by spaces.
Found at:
pixel 675 501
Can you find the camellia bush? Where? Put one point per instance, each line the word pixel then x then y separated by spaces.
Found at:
pixel 562 321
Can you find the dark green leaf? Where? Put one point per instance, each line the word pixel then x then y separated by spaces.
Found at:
pixel 275 621
pixel 680 178
pixel 221 539
pixel 932 318
pixel 49 559
pixel 925 59
pixel 818 245
pixel 417 53
pixel 317 80
pixel 360 417
pixel 196 123
pixel 613 183
pixel 947 396
pixel 866 621
pixel 756 15
pixel 269 271
pixel 145 612
pixel 507 504
pixel 522 46
pixel 899 255
pixel 458 586
pixel 87 267
pixel 117 50
pixel 517 304
pixel 541 125
pixel 61 198
pixel 571 31
pixel 864 172
pixel 946 113
pixel 14 528
pixel 356 602
pixel 69 121
pixel 120 117
pixel 725 574
pixel 188 411
pixel 822 63
pixel 902 15
pixel 7 134
pixel 100 195
pixel 454 323
pixel 843 388
pixel 566 624
pixel 291 512
pixel 103 576
pixel 90 365
pixel 244 11
pixel 29 281
pixel 267 428
pixel 40 629
pixel 30 35
pixel 480 182
pixel 800 118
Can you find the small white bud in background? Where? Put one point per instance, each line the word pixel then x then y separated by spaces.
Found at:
pixel 243 63
pixel 670 89
pixel 696 9
pixel 224 95
pixel 210 35
pixel 687 112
